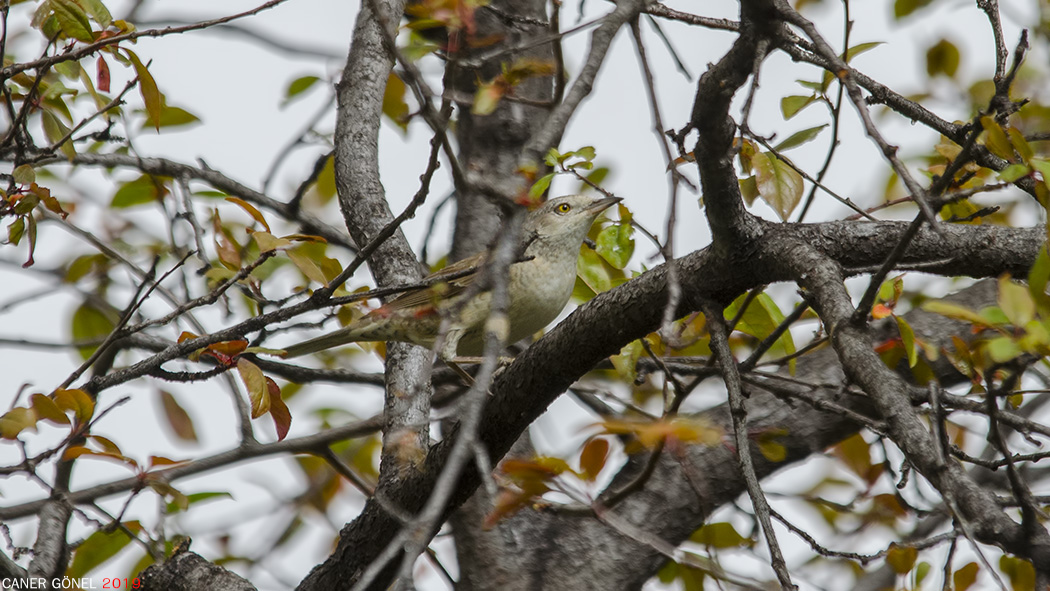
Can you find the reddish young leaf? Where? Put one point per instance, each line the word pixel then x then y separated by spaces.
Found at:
pixel 228 348
pixel 178 419
pixel 593 457
pixel 282 417
pixel 102 74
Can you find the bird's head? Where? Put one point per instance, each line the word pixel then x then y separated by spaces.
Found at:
pixel 566 219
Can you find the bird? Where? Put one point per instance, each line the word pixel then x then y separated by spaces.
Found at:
pixel 539 285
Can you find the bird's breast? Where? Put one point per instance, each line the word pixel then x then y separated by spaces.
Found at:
pixel 541 290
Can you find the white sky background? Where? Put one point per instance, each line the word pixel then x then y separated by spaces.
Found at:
pixel 236 87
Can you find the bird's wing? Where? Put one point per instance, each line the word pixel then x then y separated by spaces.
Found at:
pixel 455 285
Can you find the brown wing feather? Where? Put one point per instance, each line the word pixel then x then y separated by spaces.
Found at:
pixel 454 287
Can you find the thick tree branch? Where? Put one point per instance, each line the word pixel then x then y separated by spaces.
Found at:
pixel 600 328
pixel 855 348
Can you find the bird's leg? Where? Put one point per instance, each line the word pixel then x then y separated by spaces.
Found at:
pixel 462 373
pixel 503 360
pixel 448 355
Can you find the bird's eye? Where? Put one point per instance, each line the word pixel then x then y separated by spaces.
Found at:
pixel 563 208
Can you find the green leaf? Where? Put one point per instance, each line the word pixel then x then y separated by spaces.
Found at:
pixel 626 361
pixel 1016 302
pixel 76 401
pixel 16 230
pixel 1043 166
pixel 596 176
pixel 615 244
pixel 90 323
pixel 171 117
pixel 1013 172
pixel 97 549
pixel 73 20
pixel 791 105
pixel 908 338
pixel 995 139
pixel 540 186
pixel 26 204
pixel 55 130
pixel 891 289
pixel 993 316
pixel 251 209
pixel 768 444
pixel 82 265
pixel 394 105
pixel 255 382
pixel 954 311
pixel 860 48
pixel 145 189
pixel 1002 349
pixel 46 410
pixel 487 98
pixel 800 137
pixel 267 241
pixel 309 262
pixel 1020 572
pixel 210 194
pixel 24 174
pixel 719 535
pixel 902 8
pixel 1020 144
pixel 759 320
pixel 16 420
pixel 151 95
pixel 301 85
pixel 587 153
pixel 326 187
pixel 553 157
pixel 748 190
pixel 591 269
pixel 98 11
pixel 194 498
pixel 1039 276
pixel 779 185
pixel 942 58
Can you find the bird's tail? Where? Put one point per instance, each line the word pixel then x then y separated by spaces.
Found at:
pixel 333 339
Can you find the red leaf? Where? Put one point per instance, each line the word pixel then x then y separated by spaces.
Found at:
pixel 103 74
pixel 282 418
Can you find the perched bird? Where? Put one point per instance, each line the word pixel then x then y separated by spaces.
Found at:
pixel 540 284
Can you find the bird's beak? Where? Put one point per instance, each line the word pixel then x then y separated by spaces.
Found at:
pixel 601 204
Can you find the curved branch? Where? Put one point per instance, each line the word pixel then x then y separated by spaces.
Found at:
pixel 307 444
pixel 548 136
pixel 600 328
pixel 164 167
